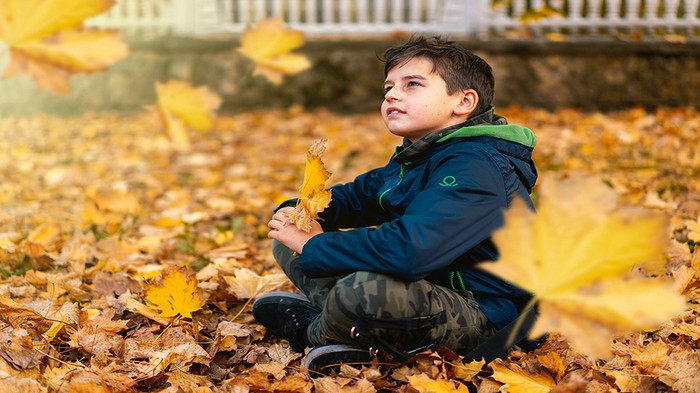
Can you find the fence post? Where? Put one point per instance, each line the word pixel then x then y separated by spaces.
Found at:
pixel 456 19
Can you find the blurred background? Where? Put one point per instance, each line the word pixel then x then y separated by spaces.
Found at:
pixel 585 54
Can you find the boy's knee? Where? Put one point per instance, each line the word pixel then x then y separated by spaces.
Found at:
pixel 367 294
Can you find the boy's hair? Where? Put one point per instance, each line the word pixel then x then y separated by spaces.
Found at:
pixel 458 67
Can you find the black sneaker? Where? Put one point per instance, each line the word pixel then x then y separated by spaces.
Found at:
pixel 287 315
pixel 326 359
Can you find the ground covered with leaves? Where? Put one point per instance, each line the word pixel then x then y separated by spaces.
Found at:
pixel 130 265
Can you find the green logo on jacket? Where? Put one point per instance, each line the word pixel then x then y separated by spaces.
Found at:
pixel 449 181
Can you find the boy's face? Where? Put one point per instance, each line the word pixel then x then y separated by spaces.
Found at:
pixel 416 102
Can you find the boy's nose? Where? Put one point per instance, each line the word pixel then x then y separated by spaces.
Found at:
pixel 391 95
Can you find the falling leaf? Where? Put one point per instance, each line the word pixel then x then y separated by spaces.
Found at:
pixel 519 381
pixel 180 105
pixel 576 254
pixel 5 57
pixel 175 294
pixel 425 384
pixel 269 44
pixel 313 196
pixel 46 41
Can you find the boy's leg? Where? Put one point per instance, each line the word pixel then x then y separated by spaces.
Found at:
pixel 316 289
pixel 410 314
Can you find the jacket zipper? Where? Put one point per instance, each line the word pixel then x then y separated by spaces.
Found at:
pixel 402 171
pixel 457 274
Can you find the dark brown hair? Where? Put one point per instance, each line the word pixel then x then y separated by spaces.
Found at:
pixel 458 67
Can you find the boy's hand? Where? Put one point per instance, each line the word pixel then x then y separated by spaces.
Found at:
pixel 288 234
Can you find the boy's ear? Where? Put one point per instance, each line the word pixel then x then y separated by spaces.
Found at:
pixel 470 98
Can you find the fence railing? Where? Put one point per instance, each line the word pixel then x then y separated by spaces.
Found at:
pixel 650 18
pixel 481 19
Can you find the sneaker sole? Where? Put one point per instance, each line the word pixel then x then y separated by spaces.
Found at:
pixel 320 361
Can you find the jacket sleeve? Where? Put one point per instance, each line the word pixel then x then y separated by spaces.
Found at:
pixel 458 206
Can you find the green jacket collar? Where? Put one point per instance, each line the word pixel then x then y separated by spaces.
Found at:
pixel 481 125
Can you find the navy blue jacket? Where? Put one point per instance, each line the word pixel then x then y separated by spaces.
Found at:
pixel 429 213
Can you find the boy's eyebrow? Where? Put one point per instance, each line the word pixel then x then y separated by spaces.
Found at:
pixel 405 77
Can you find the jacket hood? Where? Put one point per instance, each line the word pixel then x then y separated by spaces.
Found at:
pixel 514 141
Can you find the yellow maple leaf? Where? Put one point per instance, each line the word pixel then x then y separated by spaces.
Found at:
pixel 519 381
pixel 576 256
pixel 269 44
pixel 313 196
pixel 181 105
pixel 425 384
pixel 175 294
pixel 45 39
pixel 467 371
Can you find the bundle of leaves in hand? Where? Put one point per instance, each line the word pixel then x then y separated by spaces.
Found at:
pixel 576 255
pixel 313 196
pixel 45 40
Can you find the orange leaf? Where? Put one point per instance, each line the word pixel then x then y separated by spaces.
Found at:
pixel 313 194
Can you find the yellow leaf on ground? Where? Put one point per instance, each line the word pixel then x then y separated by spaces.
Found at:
pixel 181 105
pixel 175 294
pixel 467 371
pixel 313 196
pixel 246 284
pixel 576 255
pixel 425 384
pixel 46 40
pixel 269 44
pixel 519 381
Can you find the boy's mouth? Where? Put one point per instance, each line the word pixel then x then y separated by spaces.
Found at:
pixel 391 111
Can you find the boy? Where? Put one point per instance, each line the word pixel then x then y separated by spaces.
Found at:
pixel 403 279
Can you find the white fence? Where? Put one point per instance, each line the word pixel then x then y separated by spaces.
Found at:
pixel 476 18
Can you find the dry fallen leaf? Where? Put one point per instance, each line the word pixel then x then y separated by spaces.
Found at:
pixel 153 209
pixel 313 196
pixel 425 384
pixel 46 40
pixel 516 380
pixel 576 254
pixel 175 294
pixel 246 284
pixel 269 44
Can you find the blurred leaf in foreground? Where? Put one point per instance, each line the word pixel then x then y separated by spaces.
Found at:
pixel 46 40
pixel 576 256
pixel 181 105
pixel 269 44
pixel 313 196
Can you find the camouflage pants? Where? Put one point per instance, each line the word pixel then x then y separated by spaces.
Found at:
pixel 381 309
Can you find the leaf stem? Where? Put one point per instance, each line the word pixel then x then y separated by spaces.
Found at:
pixel 519 321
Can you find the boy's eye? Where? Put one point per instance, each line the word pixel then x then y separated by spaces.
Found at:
pixel 413 83
pixel 387 88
